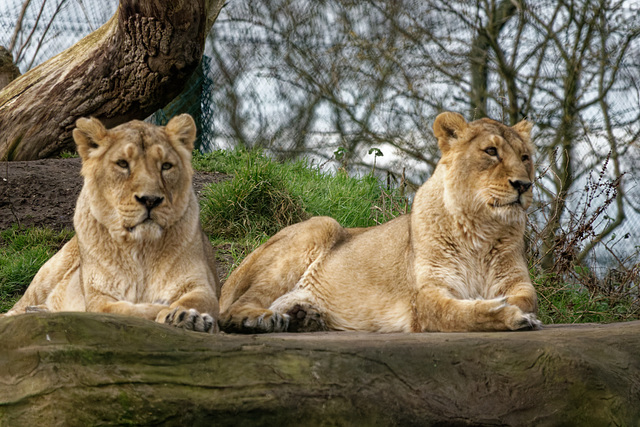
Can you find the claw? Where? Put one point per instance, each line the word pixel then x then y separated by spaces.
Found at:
pixel 267 322
pixel 191 320
pixel 530 322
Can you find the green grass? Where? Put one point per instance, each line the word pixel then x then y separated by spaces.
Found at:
pixel 22 253
pixel 69 155
pixel 561 302
pixel 264 196
pixel 254 204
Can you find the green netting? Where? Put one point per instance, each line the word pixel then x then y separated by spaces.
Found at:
pixel 193 100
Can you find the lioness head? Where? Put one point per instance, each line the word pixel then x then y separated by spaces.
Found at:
pixel 489 166
pixel 137 175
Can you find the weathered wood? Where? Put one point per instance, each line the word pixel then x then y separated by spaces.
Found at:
pixel 88 369
pixel 131 66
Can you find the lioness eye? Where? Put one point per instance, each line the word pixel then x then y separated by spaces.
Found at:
pixel 123 164
pixel 525 158
pixel 492 151
pixel 166 166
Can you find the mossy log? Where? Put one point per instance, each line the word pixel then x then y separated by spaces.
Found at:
pixel 127 69
pixel 92 369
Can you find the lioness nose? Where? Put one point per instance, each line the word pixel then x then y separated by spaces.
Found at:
pixel 149 202
pixel 521 186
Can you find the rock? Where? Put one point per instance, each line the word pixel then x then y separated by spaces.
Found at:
pixel 88 369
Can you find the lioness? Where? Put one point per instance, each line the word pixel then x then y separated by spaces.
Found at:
pixel 456 263
pixel 139 249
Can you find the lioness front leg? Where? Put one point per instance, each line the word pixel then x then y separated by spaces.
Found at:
pixel 437 310
pixel 194 311
pixel 110 305
pixel 521 295
pixel 502 312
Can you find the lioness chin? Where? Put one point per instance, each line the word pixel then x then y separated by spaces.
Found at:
pixel 455 263
pixel 139 249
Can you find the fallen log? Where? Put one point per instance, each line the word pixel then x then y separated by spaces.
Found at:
pixel 131 66
pixel 88 369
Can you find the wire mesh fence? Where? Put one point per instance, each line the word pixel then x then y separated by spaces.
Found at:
pixel 36 30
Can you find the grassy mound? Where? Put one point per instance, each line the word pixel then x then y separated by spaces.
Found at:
pixel 265 196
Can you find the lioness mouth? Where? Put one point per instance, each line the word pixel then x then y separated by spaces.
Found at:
pixel 146 221
pixel 516 202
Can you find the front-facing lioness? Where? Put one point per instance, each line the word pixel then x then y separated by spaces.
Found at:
pixel 455 263
pixel 139 249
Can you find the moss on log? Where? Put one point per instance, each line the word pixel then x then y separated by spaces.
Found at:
pixel 89 369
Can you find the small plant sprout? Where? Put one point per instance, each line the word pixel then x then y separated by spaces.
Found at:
pixel 376 153
pixel 340 155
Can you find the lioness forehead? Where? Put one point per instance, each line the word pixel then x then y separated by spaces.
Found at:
pixel 491 127
pixel 142 134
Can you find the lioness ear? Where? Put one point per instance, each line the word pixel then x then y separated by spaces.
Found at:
pixel 88 135
pixel 447 127
pixel 183 129
pixel 524 129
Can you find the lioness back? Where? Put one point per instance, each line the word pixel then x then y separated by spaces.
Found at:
pixel 139 249
pixel 456 263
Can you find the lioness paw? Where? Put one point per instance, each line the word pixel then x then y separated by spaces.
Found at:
pixel 191 320
pixel 498 315
pixel 305 318
pixel 267 322
pixel 529 322
pixel 254 322
pixel 517 320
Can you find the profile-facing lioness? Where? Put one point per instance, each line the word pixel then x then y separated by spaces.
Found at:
pixel 139 249
pixel 456 263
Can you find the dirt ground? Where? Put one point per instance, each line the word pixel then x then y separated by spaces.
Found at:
pixel 44 192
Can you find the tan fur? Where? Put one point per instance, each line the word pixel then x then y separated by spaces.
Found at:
pixel 456 263
pixel 139 249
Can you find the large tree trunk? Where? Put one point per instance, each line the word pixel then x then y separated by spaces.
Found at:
pixel 131 66
pixel 486 40
pixel 89 369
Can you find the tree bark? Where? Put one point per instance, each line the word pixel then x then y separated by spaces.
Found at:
pixel 88 369
pixel 131 66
